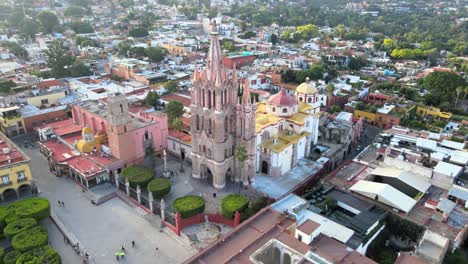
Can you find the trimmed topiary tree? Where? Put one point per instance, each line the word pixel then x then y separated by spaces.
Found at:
pixel 232 203
pixel 189 205
pixel 137 175
pixel 159 187
pixel 18 226
pixel 37 208
pixel 2 253
pixel 3 215
pixel 30 239
pixel 11 257
pixel 40 255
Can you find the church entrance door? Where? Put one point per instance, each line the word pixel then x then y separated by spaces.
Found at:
pixel 206 173
pixel 265 167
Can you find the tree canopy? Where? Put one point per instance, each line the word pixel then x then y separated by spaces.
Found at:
pixel 174 109
pixel 48 21
pixel 64 65
pixel 138 33
pixel 442 86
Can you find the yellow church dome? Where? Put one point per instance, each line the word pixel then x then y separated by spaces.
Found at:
pixel 307 87
pixel 87 130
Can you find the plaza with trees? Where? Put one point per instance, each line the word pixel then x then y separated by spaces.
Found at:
pixel 20 224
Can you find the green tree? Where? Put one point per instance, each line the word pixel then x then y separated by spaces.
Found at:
pixel 274 39
pixel 339 30
pixel 389 44
pixel 174 109
pixel 241 156
pixel 63 65
pixel 307 31
pixel 75 12
pixel 171 86
pixel 442 86
pixel 48 21
pixel 155 54
pixel 15 18
pixel 16 49
pixel 29 28
pixel 178 125
pixel 356 63
pixel 6 85
pixel 152 99
pixel 459 90
pixel 81 27
pixel 138 33
pixel 229 46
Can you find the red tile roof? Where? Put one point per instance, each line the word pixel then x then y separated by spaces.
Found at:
pixel 176 134
pixel 60 151
pixel 14 154
pixel 282 99
pixel 308 226
pixel 175 97
pixel 85 166
pixel 64 127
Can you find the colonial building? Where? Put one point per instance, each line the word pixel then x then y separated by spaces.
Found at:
pixel 286 128
pixel 222 124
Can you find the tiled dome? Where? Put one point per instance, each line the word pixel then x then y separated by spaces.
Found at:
pixel 282 99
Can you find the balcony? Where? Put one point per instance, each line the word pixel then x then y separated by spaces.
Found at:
pixel 22 179
pixel 3 184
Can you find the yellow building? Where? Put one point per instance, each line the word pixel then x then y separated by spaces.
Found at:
pixel 11 121
pixel 15 173
pixel 47 99
pixel 366 116
pixel 432 111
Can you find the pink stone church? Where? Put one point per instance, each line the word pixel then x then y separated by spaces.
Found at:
pixel 99 140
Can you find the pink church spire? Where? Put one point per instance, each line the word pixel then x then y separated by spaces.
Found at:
pixel 215 57
pixel 246 99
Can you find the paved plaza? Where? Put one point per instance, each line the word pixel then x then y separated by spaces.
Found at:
pixel 101 230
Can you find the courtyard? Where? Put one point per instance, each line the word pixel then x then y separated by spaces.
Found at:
pixel 102 230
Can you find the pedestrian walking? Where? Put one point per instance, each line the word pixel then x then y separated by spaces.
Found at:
pixel 59 203
pixel 122 254
pixel 133 243
pixel 117 255
pixel 86 255
pixel 122 248
pixel 63 204
pixel 157 249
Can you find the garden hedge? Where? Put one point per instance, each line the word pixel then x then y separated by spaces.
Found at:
pixel 37 208
pixel 189 205
pixel 30 239
pixel 3 215
pixel 232 203
pixel 137 175
pixel 40 255
pixel 160 187
pixel 11 257
pixel 2 253
pixel 19 226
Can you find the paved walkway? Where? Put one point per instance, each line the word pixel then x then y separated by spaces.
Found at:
pixel 103 229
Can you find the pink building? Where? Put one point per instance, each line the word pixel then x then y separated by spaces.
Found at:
pixel 129 135
pixel 111 138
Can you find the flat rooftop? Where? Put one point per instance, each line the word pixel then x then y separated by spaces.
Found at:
pixel 277 187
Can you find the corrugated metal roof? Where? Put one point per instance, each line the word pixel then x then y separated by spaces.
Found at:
pixel 459 192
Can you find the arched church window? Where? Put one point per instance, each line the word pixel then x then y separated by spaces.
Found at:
pixel 209 99
pixel 121 108
pixel 285 110
pixel 146 135
pixel 301 99
pixel 309 100
pixel 226 125
pixel 197 122
pixel 209 126
pixel 203 97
